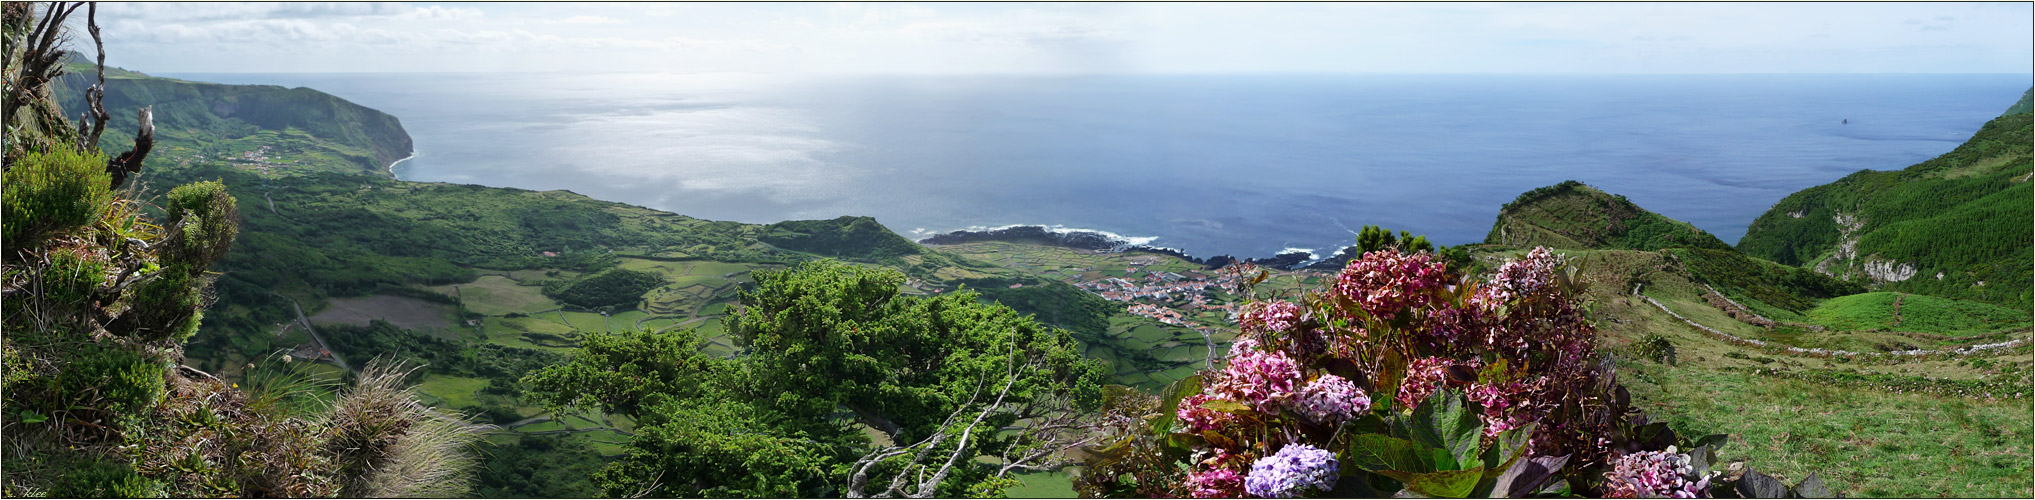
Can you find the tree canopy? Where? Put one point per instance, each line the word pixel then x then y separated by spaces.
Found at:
pixel 828 346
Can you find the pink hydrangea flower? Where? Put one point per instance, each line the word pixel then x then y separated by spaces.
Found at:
pixel 1332 400
pixel 1263 380
pixel 1242 345
pixel 1421 376
pixel 1654 474
pixel 1215 483
pixel 1194 417
pixel 1506 406
pixel 1280 316
pixel 1527 276
pixel 1384 283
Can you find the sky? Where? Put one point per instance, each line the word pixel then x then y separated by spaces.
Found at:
pixel 1041 38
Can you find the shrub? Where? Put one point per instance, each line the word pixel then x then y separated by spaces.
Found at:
pixel 1655 347
pixel 98 479
pixel 52 192
pixel 165 306
pixel 112 379
pixel 203 221
pixel 69 279
pixel 1400 378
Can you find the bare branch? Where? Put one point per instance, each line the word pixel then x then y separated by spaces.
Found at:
pixel 97 93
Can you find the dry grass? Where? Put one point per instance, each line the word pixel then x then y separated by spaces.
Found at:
pixel 386 444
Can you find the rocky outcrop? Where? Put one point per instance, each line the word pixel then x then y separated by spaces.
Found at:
pixel 1887 271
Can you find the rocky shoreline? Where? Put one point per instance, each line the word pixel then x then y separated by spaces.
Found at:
pixel 1080 239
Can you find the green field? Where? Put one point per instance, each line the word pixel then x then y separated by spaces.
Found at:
pixel 1920 313
pixel 452 392
pixel 1870 426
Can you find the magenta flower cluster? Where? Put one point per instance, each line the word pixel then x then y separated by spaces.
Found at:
pixel 1263 380
pixel 1295 470
pixel 1200 419
pixel 1421 376
pixel 1654 474
pixel 1215 483
pixel 1276 316
pixel 1385 283
pixel 1528 276
pixel 1331 400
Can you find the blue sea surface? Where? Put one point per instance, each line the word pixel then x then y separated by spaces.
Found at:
pixel 1246 165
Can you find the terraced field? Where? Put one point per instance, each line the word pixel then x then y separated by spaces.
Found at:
pixel 1870 425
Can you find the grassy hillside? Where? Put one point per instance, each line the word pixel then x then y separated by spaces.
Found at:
pixel 845 237
pixel 1958 225
pixel 1573 215
pixel 262 127
pixel 1914 426
pixel 2024 106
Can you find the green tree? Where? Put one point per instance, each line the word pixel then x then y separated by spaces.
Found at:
pixel 942 377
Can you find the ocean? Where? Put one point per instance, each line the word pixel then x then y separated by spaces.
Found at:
pixel 1246 165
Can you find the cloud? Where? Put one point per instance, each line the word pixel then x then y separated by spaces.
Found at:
pixel 205 11
pixel 585 19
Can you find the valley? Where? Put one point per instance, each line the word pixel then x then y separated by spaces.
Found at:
pixel 1910 387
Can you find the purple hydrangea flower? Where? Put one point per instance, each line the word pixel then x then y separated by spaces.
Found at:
pixel 1295 470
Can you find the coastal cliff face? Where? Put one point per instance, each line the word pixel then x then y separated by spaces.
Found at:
pixel 1958 225
pixel 319 131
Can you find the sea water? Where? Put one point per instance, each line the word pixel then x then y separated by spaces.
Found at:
pixel 1245 165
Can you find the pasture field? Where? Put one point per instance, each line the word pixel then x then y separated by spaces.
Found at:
pixel 1916 426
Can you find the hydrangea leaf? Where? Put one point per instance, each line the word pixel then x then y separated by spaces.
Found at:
pixel 1444 484
pixel 1380 453
pixel 1170 401
pixel 1756 485
pixel 1226 406
pixel 1526 476
pixel 1442 422
pixel 1812 487
pixel 1391 370
pixel 1507 449
pixel 1495 372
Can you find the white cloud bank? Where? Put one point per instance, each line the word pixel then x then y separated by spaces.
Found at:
pixel 1074 38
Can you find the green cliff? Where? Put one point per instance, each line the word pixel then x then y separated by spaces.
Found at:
pixel 1573 215
pixel 1958 225
pixel 303 129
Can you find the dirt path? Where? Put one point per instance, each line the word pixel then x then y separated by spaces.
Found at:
pixel 1897 308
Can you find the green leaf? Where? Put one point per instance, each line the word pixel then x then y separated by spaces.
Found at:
pixel 1523 477
pixel 1495 372
pixel 1391 370
pixel 1379 452
pixel 1225 406
pixel 1185 440
pixel 1509 446
pixel 1216 438
pixel 30 417
pixel 1443 422
pixel 1714 441
pixel 1170 401
pixel 1444 484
